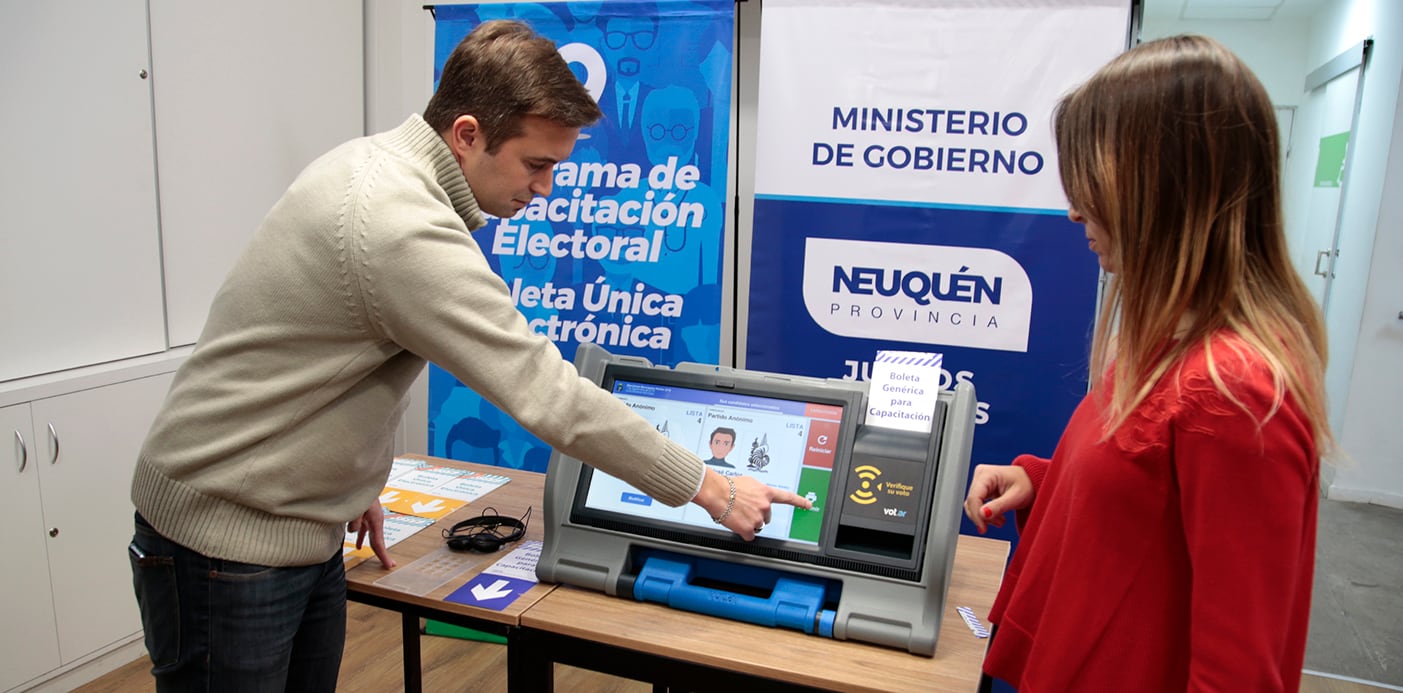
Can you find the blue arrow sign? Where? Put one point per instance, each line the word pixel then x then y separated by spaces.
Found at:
pixel 489 591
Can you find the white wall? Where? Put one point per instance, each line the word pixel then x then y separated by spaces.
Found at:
pixel 1372 434
pixel 1368 290
pixel 1364 381
pixel 1272 49
pixel 399 60
pixel 1276 52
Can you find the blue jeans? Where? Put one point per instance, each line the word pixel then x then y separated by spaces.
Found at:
pixel 216 625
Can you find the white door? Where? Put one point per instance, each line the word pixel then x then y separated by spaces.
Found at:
pixel 1316 175
pixel 1333 106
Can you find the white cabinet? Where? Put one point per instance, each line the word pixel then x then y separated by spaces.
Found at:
pixel 68 591
pixel 80 274
pixel 144 141
pixel 216 106
pixel 246 95
pixel 29 641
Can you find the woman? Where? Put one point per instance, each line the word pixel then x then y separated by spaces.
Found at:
pixel 1169 543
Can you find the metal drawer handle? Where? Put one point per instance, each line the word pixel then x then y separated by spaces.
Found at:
pixel 22 450
pixel 53 443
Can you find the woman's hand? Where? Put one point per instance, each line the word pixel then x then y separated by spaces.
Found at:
pixel 994 490
pixel 750 512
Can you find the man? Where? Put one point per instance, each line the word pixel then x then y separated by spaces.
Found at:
pixel 277 431
pixel 723 441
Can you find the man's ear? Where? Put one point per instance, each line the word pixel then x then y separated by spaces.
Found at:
pixel 465 135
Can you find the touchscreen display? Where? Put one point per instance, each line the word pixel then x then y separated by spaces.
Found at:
pixel 784 443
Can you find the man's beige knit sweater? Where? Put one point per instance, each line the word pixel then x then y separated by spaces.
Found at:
pixel 278 428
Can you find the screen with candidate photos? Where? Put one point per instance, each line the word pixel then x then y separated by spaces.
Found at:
pixel 786 443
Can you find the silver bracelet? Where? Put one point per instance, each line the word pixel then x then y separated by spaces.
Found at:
pixel 730 503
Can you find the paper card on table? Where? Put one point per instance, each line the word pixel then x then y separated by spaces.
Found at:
pixel 902 390
pixel 419 504
pixel 398 527
pixel 448 482
pixel 471 486
pixel 520 563
pixel 403 465
pixel 425 479
pixel 502 582
pixel 490 591
pixel 352 556
pixel 975 625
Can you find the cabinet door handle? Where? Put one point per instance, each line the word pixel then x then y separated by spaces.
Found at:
pixel 22 451
pixel 1322 255
pixel 53 444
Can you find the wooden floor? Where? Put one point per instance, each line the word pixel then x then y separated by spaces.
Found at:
pixel 373 656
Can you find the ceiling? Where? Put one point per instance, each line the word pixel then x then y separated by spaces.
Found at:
pixel 1260 10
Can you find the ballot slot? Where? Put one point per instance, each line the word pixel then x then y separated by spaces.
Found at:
pixel 886 503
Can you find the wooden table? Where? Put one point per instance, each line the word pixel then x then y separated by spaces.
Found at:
pixel 693 652
pixel 524 490
pixel 665 646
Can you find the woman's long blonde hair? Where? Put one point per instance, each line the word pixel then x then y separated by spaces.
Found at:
pixel 1172 148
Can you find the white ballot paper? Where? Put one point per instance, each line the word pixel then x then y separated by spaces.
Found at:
pixel 902 390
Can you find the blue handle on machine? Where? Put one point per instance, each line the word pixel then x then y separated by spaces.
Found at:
pixel 794 602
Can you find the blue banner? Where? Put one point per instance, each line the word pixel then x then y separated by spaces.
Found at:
pixel 910 201
pixel 1025 397
pixel 626 251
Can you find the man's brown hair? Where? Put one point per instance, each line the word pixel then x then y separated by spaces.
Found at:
pixel 499 73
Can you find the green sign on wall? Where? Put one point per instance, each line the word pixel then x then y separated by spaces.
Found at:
pixel 1330 166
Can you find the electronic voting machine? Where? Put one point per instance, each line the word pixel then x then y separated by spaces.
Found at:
pixel 869 562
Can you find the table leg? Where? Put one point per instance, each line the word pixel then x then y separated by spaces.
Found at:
pixel 529 669
pixel 409 637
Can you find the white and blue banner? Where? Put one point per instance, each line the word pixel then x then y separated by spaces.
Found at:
pixel 626 251
pixel 907 198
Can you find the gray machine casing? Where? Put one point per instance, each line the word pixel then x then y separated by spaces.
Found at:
pixel 901 610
